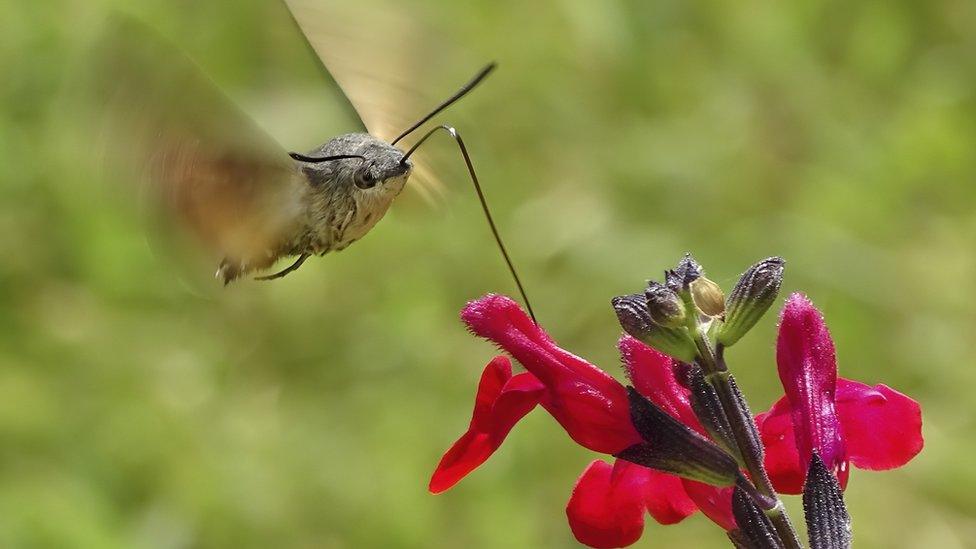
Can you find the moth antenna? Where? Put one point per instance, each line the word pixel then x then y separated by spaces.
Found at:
pixel 320 159
pixel 450 100
pixel 484 203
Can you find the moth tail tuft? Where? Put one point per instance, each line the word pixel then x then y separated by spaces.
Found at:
pixel 229 271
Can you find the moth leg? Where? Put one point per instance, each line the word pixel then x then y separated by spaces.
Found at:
pixel 294 266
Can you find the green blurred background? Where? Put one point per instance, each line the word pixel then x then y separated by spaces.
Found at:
pixel 615 136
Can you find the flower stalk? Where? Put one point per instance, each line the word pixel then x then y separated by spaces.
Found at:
pixel 744 432
pixel 746 437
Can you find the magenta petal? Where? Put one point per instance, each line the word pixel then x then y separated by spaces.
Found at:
pixel 493 379
pixel 502 400
pixel 882 430
pixel 585 400
pixel 782 460
pixel 882 427
pixel 808 370
pixel 607 506
pixel 664 496
pixel 608 503
pixel 652 374
pixel 715 503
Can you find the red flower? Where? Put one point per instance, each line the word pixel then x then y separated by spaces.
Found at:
pixel 608 503
pixel 844 421
pixel 585 400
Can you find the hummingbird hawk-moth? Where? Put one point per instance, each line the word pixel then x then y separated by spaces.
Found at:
pixel 247 201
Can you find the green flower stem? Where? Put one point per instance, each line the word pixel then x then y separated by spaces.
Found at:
pixel 717 374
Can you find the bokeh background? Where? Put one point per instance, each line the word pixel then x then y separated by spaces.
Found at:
pixel 137 411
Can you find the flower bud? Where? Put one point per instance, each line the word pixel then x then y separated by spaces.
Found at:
pixel 708 296
pixel 753 294
pixel 828 522
pixel 685 272
pixel 664 306
pixel 636 320
pixel 754 524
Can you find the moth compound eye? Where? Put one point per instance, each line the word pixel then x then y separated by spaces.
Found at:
pixel 365 179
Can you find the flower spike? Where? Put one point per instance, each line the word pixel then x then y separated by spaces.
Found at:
pixel 669 429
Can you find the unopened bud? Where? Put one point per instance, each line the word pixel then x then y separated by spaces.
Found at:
pixel 828 522
pixel 664 306
pixel 636 320
pixel 708 296
pixel 752 296
pixel 685 272
pixel 754 525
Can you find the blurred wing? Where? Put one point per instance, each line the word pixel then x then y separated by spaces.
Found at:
pixel 373 50
pixel 367 51
pixel 199 159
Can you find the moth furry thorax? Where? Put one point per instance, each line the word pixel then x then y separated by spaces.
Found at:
pixel 332 204
pixel 346 198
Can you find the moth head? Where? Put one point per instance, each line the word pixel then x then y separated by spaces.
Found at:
pixel 357 162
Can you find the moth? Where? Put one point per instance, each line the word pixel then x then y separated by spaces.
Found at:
pixel 229 185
